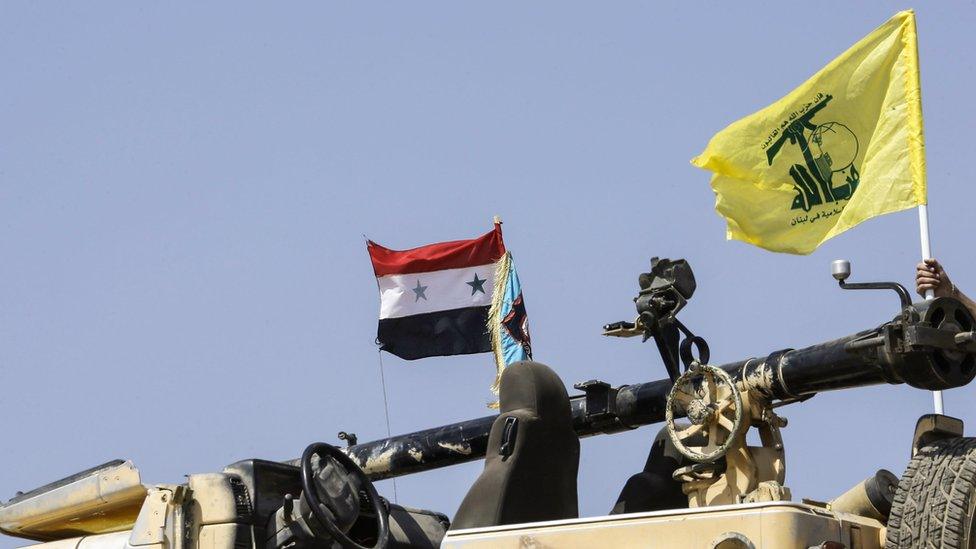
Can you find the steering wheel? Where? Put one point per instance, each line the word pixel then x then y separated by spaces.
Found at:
pixel 708 397
pixel 318 508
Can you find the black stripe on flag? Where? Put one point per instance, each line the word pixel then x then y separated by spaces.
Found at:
pixel 441 333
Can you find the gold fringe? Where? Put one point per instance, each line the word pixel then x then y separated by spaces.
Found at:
pixel 494 319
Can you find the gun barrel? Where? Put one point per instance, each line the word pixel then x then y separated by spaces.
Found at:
pixel 919 348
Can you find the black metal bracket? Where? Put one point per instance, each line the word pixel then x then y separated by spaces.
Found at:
pixel 685 349
pixel 925 336
pixel 601 402
pixel 664 291
pixel 350 438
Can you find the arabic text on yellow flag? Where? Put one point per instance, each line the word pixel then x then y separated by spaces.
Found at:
pixel 843 147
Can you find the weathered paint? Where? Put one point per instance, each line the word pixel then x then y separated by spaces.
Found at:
pixel 103 499
pixel 463 449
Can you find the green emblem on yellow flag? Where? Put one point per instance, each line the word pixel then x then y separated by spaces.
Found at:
pixel 845 146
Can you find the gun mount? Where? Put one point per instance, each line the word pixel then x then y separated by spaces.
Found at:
pixel 928 345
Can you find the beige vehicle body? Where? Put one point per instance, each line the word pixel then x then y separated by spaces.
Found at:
pixel 109 508
pixel 204 513
pixel 772 524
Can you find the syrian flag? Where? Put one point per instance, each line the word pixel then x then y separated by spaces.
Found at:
pixel 435 299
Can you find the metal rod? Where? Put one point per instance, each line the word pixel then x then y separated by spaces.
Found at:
pixel 903 296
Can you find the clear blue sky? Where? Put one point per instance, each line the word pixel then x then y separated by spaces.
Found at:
pixel 184 191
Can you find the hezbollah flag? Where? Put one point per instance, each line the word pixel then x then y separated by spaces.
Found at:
pixel 843 147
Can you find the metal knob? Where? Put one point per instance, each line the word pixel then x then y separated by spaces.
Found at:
pixel 840 269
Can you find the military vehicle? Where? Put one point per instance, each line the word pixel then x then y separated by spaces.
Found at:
pixel 704 485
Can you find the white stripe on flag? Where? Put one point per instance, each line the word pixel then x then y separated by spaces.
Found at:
pixel 438 291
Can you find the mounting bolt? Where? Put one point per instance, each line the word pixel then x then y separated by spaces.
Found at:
pixel 350 438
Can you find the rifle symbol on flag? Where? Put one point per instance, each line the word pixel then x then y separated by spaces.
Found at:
pixel 813 180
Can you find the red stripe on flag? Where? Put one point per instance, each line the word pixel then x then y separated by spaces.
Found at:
pixel 437 257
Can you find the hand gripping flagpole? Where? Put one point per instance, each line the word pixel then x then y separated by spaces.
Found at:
pixel 923 225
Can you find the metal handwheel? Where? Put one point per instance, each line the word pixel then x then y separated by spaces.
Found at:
pixel 708 397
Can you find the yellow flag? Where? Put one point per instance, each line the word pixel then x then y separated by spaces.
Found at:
pixel 845 146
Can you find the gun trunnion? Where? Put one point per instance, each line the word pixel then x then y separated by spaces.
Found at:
pixel 930 345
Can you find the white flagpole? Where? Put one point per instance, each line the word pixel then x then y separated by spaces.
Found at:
pixel 923 225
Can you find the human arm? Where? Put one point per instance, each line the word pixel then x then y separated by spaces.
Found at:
pixel 930 275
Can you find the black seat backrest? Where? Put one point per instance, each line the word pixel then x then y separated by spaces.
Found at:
pixel 532 457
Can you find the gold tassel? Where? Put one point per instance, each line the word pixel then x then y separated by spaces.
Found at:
pixel 495 321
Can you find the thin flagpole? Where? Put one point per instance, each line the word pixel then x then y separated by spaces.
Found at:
pixel 923 226
pixel 386 408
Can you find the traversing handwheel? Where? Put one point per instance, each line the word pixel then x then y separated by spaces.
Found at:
pixel 708 397
pixel 321 512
